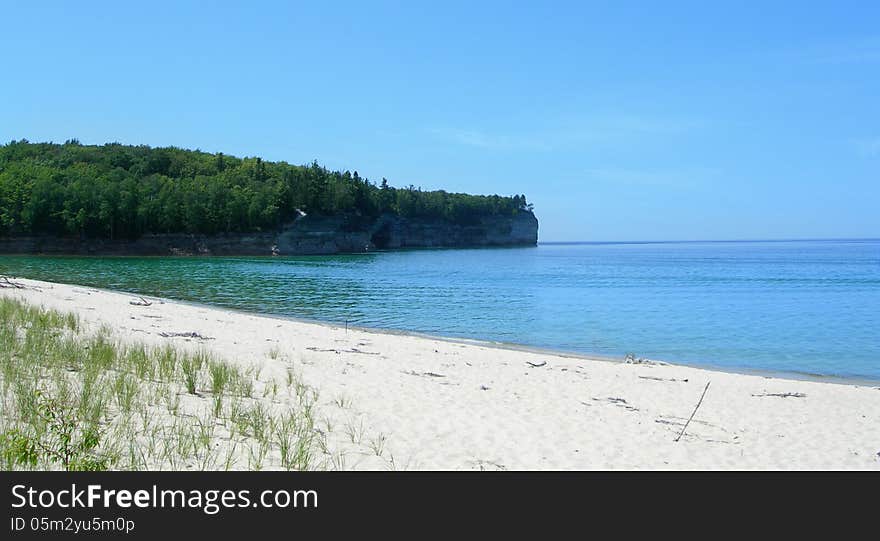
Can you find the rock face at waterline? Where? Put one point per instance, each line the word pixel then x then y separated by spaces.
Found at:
pixel 306 235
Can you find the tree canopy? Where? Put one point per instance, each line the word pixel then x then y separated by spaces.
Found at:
pixel 120 191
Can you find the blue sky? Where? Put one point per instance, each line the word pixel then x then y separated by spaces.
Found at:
pixel 619 121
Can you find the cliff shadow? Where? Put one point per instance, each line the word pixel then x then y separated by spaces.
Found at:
pixel 381 237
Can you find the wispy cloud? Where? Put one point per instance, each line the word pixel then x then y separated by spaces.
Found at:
pixel 633 124
pixel 682 178
pixel 492 141
pixel 571 133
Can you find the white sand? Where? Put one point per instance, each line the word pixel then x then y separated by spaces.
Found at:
pixel 449 405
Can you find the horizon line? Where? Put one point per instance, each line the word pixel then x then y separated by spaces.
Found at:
pixel 678 241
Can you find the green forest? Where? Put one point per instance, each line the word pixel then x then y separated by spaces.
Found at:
pixel 120 191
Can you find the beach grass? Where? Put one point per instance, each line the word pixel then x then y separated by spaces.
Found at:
pixel 74 400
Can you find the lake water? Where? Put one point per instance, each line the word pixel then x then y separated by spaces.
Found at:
pixel 806 306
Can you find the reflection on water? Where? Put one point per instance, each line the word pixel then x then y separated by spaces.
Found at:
pixel 799 306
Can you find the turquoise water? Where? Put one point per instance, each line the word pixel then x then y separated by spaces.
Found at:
pixel 809 307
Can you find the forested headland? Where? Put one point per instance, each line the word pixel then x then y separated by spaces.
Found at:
pixel 117 191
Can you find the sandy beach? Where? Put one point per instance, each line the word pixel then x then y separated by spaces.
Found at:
pixel 440 404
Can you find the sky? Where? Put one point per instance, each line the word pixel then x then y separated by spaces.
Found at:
pixel 619 121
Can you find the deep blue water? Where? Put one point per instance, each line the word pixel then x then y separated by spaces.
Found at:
pixel 806 306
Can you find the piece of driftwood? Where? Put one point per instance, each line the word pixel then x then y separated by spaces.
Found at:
pixel 783 395
pixel 536 365
pixel 320 350
pixel 680 434
pixel 7 283
pixel 425 374
pixel 184 335
pixel 487 465
pixel 663 379
pixel 362 352
pixel 140 302
pixel 338 351
pixel 632 359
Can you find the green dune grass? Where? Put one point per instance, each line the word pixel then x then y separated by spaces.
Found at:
pixel 79 400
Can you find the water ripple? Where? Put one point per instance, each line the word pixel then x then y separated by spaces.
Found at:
pixel 799 306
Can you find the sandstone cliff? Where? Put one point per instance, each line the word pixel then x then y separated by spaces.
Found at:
pixel 307 235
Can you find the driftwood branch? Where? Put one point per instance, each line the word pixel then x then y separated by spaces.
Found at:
pixel 140 302
pixel 663 379
pixel 783 395
pixel 6 282
pixel 680 434
pixel 424 374
pixel 536 365
pixel 184 335
pixel 338 351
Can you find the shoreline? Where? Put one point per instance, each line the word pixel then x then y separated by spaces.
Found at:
pixel 861 381
pixel 463 404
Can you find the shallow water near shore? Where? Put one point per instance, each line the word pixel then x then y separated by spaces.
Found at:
pixel 796 306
